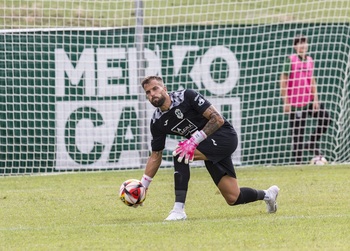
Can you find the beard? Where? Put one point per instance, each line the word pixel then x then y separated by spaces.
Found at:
pixel 158 102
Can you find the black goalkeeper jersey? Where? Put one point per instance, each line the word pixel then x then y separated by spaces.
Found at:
pixel 183 118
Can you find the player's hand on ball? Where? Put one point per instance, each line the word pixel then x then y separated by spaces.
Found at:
pixel 141 204
pixel 132 192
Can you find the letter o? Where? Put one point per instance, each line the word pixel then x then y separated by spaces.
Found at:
pixel 233 67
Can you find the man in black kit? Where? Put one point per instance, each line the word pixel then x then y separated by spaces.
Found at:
pixel 209 137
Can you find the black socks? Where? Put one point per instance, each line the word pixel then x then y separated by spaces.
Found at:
pixel 248 195
pixel 181 179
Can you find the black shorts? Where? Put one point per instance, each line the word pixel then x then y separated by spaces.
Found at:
pixel 218 148
pixel 219 145
pixel 220 169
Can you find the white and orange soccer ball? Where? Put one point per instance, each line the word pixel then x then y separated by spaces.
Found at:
pixel 132 192
pixel 318 160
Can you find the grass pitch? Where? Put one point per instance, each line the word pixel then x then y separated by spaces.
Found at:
pixel 83 212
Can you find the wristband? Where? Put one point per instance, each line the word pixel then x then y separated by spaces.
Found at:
pixel 146 180
pixel 199 136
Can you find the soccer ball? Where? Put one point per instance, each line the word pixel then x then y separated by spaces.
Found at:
pixel 132 192
pixel 318 160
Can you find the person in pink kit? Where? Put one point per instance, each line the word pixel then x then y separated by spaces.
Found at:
pixel 300 99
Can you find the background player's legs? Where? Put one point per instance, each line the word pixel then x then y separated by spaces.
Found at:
pixel 323 121
pixel 297 127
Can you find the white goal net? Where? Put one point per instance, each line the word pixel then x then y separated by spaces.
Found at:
pixel 70 76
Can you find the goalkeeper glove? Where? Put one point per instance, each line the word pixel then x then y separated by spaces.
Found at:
pixel 185 149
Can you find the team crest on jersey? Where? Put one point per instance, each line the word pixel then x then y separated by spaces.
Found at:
pixel 179 114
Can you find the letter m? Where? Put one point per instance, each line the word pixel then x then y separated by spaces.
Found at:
pixel 84 69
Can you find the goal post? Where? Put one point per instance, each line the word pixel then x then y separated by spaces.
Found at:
pixel 70 75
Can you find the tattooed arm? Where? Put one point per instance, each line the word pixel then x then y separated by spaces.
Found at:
pixel 215 120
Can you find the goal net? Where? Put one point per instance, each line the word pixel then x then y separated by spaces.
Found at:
pixel 70 76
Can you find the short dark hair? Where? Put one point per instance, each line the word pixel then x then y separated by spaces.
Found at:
pixel 299 39
pixel 148 79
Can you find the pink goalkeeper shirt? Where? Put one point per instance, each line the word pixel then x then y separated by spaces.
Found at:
pixel 300 80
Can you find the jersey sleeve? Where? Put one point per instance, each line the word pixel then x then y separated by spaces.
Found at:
pixel 197 101
pixel 286 66
pixel 158 139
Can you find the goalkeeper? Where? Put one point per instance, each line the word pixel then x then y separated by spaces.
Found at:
pixel 300 100
pixel 208 136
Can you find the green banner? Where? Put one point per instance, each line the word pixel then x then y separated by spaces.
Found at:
pixel 51 80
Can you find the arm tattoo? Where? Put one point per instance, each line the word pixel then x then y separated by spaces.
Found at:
pixel 215 121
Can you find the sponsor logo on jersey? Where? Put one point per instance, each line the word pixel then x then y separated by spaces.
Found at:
pixel 184 128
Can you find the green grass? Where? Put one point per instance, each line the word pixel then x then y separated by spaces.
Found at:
pixel 82 212
pixel 107 13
